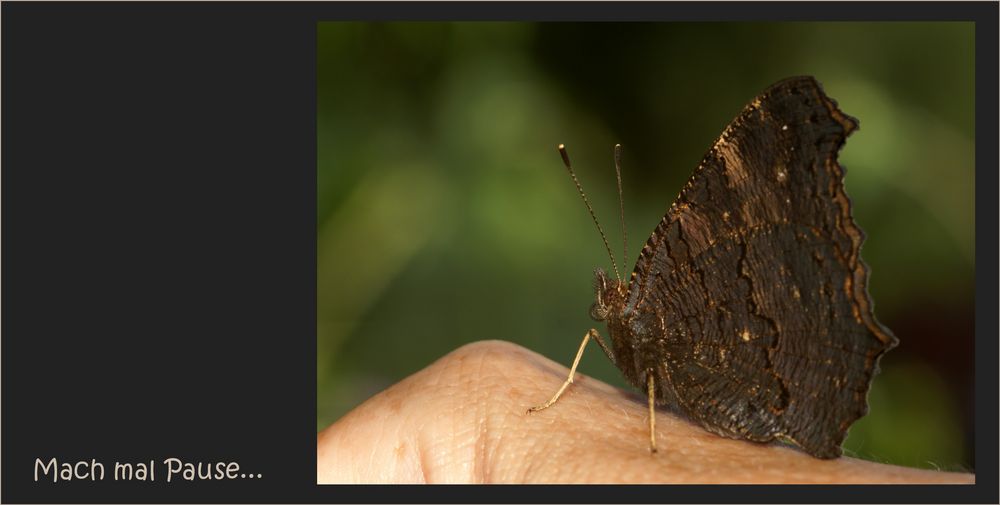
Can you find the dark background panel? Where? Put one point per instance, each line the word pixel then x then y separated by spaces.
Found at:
pixel 158 260
pixel 163 216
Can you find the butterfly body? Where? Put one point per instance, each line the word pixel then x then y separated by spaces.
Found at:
pixel 748 305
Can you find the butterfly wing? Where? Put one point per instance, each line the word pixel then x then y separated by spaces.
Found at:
pixel 752 286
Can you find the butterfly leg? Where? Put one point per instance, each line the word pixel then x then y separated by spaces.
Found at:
pixel 604 347
pixel 572 371
pixel 651 389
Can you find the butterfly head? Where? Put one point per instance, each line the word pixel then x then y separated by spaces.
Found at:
pixel 609 296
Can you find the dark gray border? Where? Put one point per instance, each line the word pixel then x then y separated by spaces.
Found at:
pixel 654 11
pixel 987 164
pixel 168 85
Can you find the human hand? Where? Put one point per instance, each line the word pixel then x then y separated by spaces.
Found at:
pixel 463 419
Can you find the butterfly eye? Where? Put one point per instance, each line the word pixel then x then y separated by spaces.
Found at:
pixel 598 312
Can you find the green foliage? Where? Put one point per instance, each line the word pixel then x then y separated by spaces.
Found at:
pixel 445 216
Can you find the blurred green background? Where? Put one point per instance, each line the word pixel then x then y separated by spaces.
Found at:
pixel 445 215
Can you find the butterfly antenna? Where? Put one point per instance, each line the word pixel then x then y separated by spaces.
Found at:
pixel 569 168
pixel 621 203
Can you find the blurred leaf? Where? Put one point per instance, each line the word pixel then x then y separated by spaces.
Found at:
pixel 445 216
pixel 913 421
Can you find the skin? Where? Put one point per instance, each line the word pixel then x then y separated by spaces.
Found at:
pixel 463 419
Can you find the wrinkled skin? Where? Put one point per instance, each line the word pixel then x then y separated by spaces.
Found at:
pixel 462 420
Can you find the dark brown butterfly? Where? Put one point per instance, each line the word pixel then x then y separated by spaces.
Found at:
pixel 748 309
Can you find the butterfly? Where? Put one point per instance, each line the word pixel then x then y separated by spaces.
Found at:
pixel 748 309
